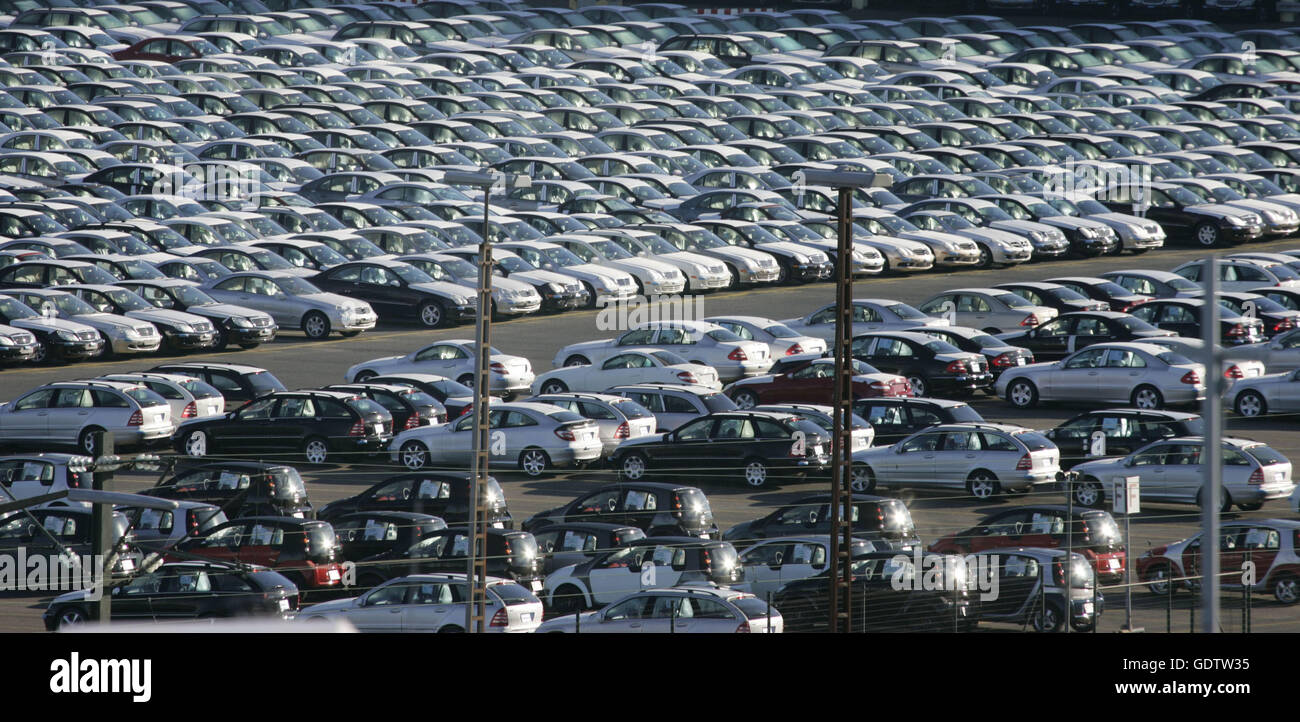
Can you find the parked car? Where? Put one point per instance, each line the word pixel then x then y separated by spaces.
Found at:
pixel 1095 535
pixel 674 404
pixel 1142 375
pixel 238 383
pixel 631 365
pixel 304 551
pixel 617 418
pixel 658 508
pixel 1273 545
pixel 574 542
pixel 509 554
pixel 653 562
pixel 883 520
pixel 432 603
pixel 444 494
pixel 701 343
pixel 454 359
pixel 1036 586
pixel 239 488
pixel 1122 431
pixel 76 413
pixel 683 610
pixel 930 365
pixel 163 528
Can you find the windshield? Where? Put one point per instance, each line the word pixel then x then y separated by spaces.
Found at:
pixel 1033 440
pixel 964 413
pixel 296 286
pixel 907 313
pixel 287 483
pixel 66 303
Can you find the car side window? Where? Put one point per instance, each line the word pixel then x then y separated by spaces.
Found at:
pixel 709 609
pixel 733 429
pixel 697 430
pixel 678 405
pixel 1088 359
pixel 634 608
pixel 35 400
pixel 923 443
pixel 257 410
pixel 886 415
pixel 602 501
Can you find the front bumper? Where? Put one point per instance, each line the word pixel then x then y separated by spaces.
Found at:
pixel 189 341
pixel 1238 234
pixel 961 382
pixel 147 344
pixel 62 349
pixel 363 322
pixel 912 263
pixel 565 301
pixel 508 383
pixel 519 306
pixel 238 335
pixel 17 354
pixel 815 271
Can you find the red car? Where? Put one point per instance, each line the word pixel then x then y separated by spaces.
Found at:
pixel 811 381
pixel 306 552
pixel 169 49
pixel 1096 536
pixel 1272 545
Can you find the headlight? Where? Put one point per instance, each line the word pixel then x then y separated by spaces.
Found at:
pixel 6 341
pixel 460 300
pixel 241 322
pixel 1039 236
pixel 555 287
pixel 184 328
pixel 1236 220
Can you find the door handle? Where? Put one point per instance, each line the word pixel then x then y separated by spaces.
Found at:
pixel 634 626
pixel 394 611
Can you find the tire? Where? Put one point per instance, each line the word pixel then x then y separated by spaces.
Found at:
pixel 862 479
pixel 591 291
pixel 735 279
pixel 1089 493
pixel 1022 394
pixel 222 342
pixel 920 385
pixel 1251 507
pixel 745 399
pixel 784 277
pixel 70 617
pixel 1206 235
pixel 107 353
pixel 1157 579
pixel 1049 618
pixel 534 462
pixel 635 467
pixel 466 380
pixel 986 257
pixel 553 386
pixel 1250 404
pixel 363 376
pixel 414 455
pixel 432 314
pixel 1225 500
pixel 1147 398
pixel 756 473
pixel 316 450
pixel 1286 589
pixel 88 442
pixel 576 360
pixel 983 485
pixel 195 444
pixel 1080 626
pixel 568 599
pixel 316 325
pixel 42 354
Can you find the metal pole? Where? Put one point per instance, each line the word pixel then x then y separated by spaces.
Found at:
pixel 841 576
pixel 476 564
pixel 1128 572
pixel 1069 552
pixel 1212 458
pixel 102 523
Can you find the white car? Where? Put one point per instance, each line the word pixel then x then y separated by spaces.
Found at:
pixel 432 603
pixel 780 339
pixel 188 397
pixel 699 342
pixel 617 418
pixel 1277 393
pixel 605 285
pixel 675 611
pixel 869 314
pixel 702 272
pixel 772 563
pixel 635 365
pixel 453 359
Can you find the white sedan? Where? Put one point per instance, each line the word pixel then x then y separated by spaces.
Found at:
pixel 632 366
pixel 432 603
pixel 869 314
pixel 453 359
pixel 781 340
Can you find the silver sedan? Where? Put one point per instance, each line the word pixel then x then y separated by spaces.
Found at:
pixel 294 303
pixel 869 314
pixel 454 359
pixel 1144 375
pixel 1268 394
pixel 781 340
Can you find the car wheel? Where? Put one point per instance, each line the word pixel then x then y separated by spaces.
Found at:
pixel 1022 394
pixel 1089 493
pixel 107 353
pixel 363 376
pixel 756 473
pixel 71 617
pixel 983 485
pixel 1049 618
pixel 316 450
pixel 466 380
pixel 745 399
pixel 577 360
pixel 554 386
pixel 1147 398
pixel 41 355
pixel 1286 589
pixel 634 467
pixel 591 291
pixel 919 385
pixel 196 443
pixel 568 599
pixel 432 314
pixel 862 479
pixel 986 257
pixel 1206 234
pixel 222 342
pixel 316 325
pixel 414 455
pixel 1251 507
pixel 1157 579
pixel 1225 500
pixel 1251 404
pixel 88 441
pixel 534 462
pixel 734 283
pixel 783 276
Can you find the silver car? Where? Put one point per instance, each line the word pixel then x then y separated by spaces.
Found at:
pixel 432 603
pixel 294 302
pixel 122 335
pixel 699 342
pixel 1280 353
pixel 1144 375
pixel 604 285
pixel 674 404
pixel 772 563
pixel 653 275
pixel 1171 470
pixel 531 437
pixel 617 418
pixel 861 433
pixel 633 365
pixel 188 397
pixel 1268 394
pixel 990 309
pixel 780 339
pixel 984 459
pixel 71 413
pixel 682 610
pixel 453 359
pixel 869 314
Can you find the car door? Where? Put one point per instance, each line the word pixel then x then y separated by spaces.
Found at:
pixel 1153 465
pixel 431 605
pixel 618 574
pixel 810 384
pixel 382 609
pixel 1017 584
pixel 290 423
pixel 221 545
pixel 68 414
pixel 912 462
pixel 605 505
pixel 27 419
pixel 1121 372
pixel 761 566
pixel 891 421
pixel 686 447
pixel 133 601
pixel 455 447
pixel 1182 320
pixel 250 428
pixel 394 495
pixel 731 442
pixel 181 593
pixel 626 617
pixel 262 544
pixel 1077 377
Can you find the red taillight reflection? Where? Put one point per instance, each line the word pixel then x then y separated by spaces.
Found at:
pixel 190 411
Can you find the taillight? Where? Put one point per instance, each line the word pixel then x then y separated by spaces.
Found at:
pixel 358 429
pixel 465 410
pixel 191 410
pixel 1256 477
pixel 1004 360
pixel 687 377
pixel 74 480
pixel 1025 464
pixel 193 521
pixel 1233 372
pixel 1058 572
pixel 738 355
pixel 1284 324
pixel 500 619
pixel 1237 330
pixel 1030 320
pixel 623 431
pixel 566 433
pixel 794 350
pixel 743 628
pixel 412 421
pixel 956 367
pixel 1191 377
pixel 498 367
pixel 137 419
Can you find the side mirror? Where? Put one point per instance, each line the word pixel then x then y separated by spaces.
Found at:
pixel 1051 434
pixel 1128 462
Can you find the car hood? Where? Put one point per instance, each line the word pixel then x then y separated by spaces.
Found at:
pixel 335 605
pixel 444 288
pixel 111 319
pixel 168 316
pixel 51 324
pixel 226 310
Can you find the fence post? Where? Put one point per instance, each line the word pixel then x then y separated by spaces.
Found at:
pixel 769 612
pixel 1169 602
pixel 577 621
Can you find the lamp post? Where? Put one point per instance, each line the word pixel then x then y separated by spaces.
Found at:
pixel 841 572
pixel 476 557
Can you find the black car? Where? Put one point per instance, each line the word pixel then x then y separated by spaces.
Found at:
pixel 1186 216
pixel 409 406
pixel 1095 535
pixel 305 551
pixel 239 325
pixel 184 590
pixel 881 519
pixel 932 366
pixel 239 488
pixel 577 541
pixel 400 290
pixel 1119 298
pixel 1183 317
pixel 894 419
pixel 879 602
pixel 456 397
pixel 48 339
pixel 510 554
pixel 1069 332
pixel 1053 295
pixel 367 533
pixel 998 352
pixel 238 383
pixel 1123 431
pixel 315 424
pixel 755 446
pixel 48 531
pixel 45 273
pixel 444 494
pixel 658 508
pixel 1276 317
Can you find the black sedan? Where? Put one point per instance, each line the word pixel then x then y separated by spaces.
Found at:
pixel 998 352
pixel 1183 317
pixel 754 446
pixel 315 424
pixel 239 325
pixel 1054 295
pixel 578 541
pixel 1119 298
pixel 1276 317
pixel 1186 216
pixel 897 418
pixel 184 590
pixel 881 519
pixel 1118 432
pixel 932 366
pixel 409 406
pixel 657 508
pixel 49 339
pixel 1067 333
pixel 444 494
pixel 510 554
pixel 400 290
pixel 455 396
pixel 240 488
pixel 368 533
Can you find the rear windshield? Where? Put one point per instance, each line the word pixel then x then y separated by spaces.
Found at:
pixel 200 390
pixel 694 501
pixel 513 595
pixel 631 409
pixel 752 607
pixel 1174 359
pixel 320 538
pixel 718 402
pixel 906 312
pixel 288 483
pixel 566 417
pixel 1266 455
pixel 366 407
pixel 264 382
pixel 942 347
pixel 145 397
pixel 208 519
pixel 418 398
pixel 627 536
pixel 1034 441
pixel 523 546
pixel 1195 427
